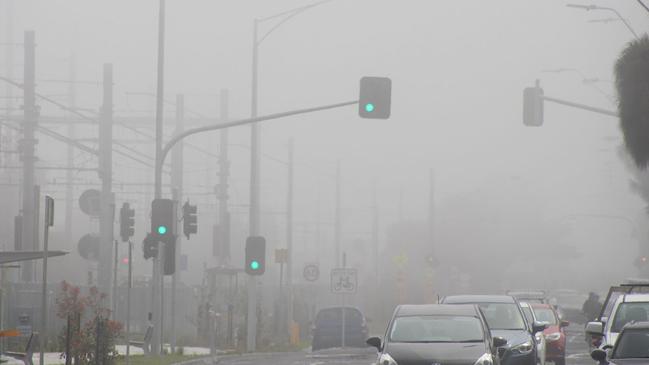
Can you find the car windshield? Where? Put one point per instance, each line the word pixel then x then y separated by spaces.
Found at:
pixel 632 344
pixel 545 315
pixel 503 316
pixel 629 312
pixel 437 329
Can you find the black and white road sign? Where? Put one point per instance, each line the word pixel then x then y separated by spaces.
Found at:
pixel 311 272
pixel 343 281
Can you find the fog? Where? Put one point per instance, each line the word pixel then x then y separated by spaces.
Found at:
pixel 513 206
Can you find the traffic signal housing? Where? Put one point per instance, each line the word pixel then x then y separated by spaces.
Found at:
pixel 533 106
pixel 375 97
pixel 163 229
pixel 190 219
pixel 255 255
pixel 126 222
pixel 150 246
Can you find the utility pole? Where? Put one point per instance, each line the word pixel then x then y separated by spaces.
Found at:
pixel 223 223
pixel 431 211
pixel 251 338
pixel 375 249
pixel 177 186
pixel 28 145
pixel 106 218
pixel 156 279
pixel 69 174
pixel 289 238
pixel 337 228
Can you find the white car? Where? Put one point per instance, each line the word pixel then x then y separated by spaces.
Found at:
pixel 530 317
pixel 626 309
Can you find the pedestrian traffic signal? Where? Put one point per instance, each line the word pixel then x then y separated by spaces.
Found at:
pixel 533 106
pixel 163 229
pixel 375 97
pixel 126 222
pixel 150 246
pixel 190 219
pixel 255 255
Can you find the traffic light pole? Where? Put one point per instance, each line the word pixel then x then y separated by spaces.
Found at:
pixel 106 219
pixel 581 106
pixel 172 142
pixel 156 279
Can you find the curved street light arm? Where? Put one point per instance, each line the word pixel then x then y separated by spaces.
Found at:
pixel 289 15
pixel 623 20
pixel 169 145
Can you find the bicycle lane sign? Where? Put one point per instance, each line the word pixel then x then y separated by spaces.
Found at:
pixel 344 281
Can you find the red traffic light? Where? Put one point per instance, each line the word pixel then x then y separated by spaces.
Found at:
pixel 125 260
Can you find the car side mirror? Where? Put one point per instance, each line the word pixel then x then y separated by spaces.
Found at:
pixel 564 324
pixel 599 356
pixel 499 342
pixel 374 342
pixel 595 328
pixel 539 327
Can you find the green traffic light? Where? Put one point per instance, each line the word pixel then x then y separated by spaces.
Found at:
pixel 162 229
pixel 254 265
pixel 369 107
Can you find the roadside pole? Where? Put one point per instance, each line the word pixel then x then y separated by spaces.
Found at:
pixel 177 192
pixel 49 221
pixel 28 154
pixel 115 267
pixel 289 240
pixel 343 342
pixel 157 277
pixel 128 302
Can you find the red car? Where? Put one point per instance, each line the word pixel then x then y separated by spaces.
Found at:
pixel 555 336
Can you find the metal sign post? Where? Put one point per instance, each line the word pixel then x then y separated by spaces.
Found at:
pixel 344 281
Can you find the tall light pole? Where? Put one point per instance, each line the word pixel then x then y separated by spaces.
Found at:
pixel 595 7
pixel 254 221
pixel 157 277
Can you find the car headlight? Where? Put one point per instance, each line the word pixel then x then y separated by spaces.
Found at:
pixel 524 348
pixel 486 359
pixel 553 336
pixel 386 359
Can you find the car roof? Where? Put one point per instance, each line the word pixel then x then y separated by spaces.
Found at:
pixel 635 298
pixel 541 305
pixel 436 309
pixel 468 299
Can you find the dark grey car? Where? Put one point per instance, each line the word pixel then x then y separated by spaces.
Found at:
pixel 505 319
pixel 631 347
pixel 437 334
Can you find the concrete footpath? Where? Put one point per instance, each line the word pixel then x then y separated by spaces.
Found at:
pixel 54 358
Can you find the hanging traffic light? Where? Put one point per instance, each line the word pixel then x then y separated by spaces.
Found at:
pixel 375 97
pixel 126 222
pixel 150 246
pixel 255 255
pixel 533 106
pixel 190 219
pixel 163 229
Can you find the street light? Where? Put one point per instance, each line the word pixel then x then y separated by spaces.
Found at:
pixel 595 7
pixel 281 18
pixel 590 81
